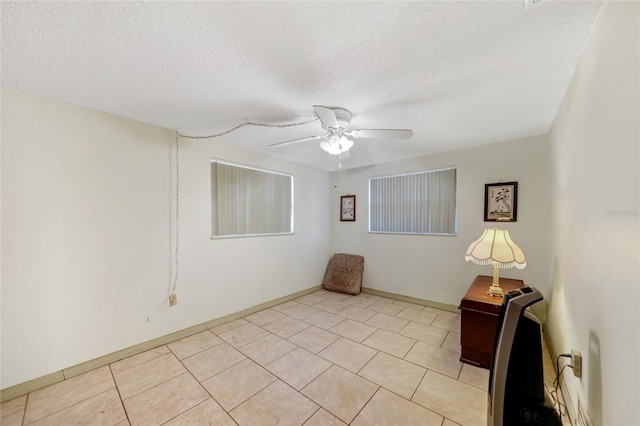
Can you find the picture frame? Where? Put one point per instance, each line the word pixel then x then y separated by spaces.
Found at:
pixel 348 208
pixel 501 202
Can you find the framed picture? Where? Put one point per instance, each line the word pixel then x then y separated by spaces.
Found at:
pixel 501 202
pixel 348 208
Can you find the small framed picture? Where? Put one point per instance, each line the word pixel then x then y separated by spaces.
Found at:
pixel 501 202
pixel 348 208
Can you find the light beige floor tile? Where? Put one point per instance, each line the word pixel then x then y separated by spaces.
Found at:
pixel 348 354
pixel 549 370
pixel 207 413
pixel 452 342
pixel 446 323
pixel 460 402
pixel 361 301
pixel 404 304
pixel 144 376
pixel 13 406
pixel 212 361
pixel 313 339
pixel 448 422
pixel 421 317
pixel 475 376
pixel 323 418
pixel 356 313
pixel 377 298
pixel 191 345
pixel 236 384
pixel 123 423
pixel 285 305
pixel 286 327
pixel 394 374
pixel 353 330
pixel 298 368
pixel 390 343
pixel 324 320
pixel 386 408
pixel 387 322
pixel 228 326
pixel 103 409
pixel 441 312
pixel 140 358
pixel 340 392
pixel 165 401
pixel 12 411
pixel 243 335
pixel 435 358
pixel 337 296
pixel 278 404
pixel 267 349
pixel 264 317
pixel 332 306
pixel 385 308
pixel 64 394
pixel 300 311
pixel 424 333
pixel 14 419
pixel 311 299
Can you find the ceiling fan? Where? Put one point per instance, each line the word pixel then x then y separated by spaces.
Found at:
pixel 337 123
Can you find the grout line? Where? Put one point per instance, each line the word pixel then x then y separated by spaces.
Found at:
pixel 308 325
pixel 417 387
pixel 124 407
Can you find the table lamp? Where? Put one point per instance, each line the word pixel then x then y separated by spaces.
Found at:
pixel 495 247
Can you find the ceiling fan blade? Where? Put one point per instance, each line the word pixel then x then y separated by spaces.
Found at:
pixel 308 138
pixel 327 116
pixel 381 133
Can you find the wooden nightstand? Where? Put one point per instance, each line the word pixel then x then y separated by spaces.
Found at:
pixel 479 319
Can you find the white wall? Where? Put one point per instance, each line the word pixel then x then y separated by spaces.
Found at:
pixel 87 213
pixel 433 267
pixel 595 198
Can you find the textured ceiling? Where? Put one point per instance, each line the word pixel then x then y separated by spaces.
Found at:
pixel 458 73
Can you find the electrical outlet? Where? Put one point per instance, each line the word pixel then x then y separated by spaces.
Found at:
pixel 576 362
pixel 173 299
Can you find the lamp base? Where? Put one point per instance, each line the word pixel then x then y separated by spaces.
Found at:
pixel 495 291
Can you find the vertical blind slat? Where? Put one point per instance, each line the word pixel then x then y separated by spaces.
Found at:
pixel 247 201
pixel 416 203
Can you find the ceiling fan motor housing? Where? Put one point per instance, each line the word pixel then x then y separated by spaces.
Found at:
pixel 343 116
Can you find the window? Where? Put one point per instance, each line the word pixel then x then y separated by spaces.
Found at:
pixel 248 201
pixel 413 203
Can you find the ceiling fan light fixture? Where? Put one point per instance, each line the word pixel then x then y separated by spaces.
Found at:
pixel 345 144
pixel 335 144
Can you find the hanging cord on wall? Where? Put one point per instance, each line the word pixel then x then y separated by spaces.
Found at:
pixel 173 275
pixel 247 123
pixel 170 222
pixel 173 283
pixel 557 400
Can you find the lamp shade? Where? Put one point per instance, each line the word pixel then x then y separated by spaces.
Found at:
pixel 495 247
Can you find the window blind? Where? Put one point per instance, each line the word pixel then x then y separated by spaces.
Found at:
pixel 249 201
pixel 413 203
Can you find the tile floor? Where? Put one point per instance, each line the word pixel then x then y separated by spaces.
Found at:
pixel 323 359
